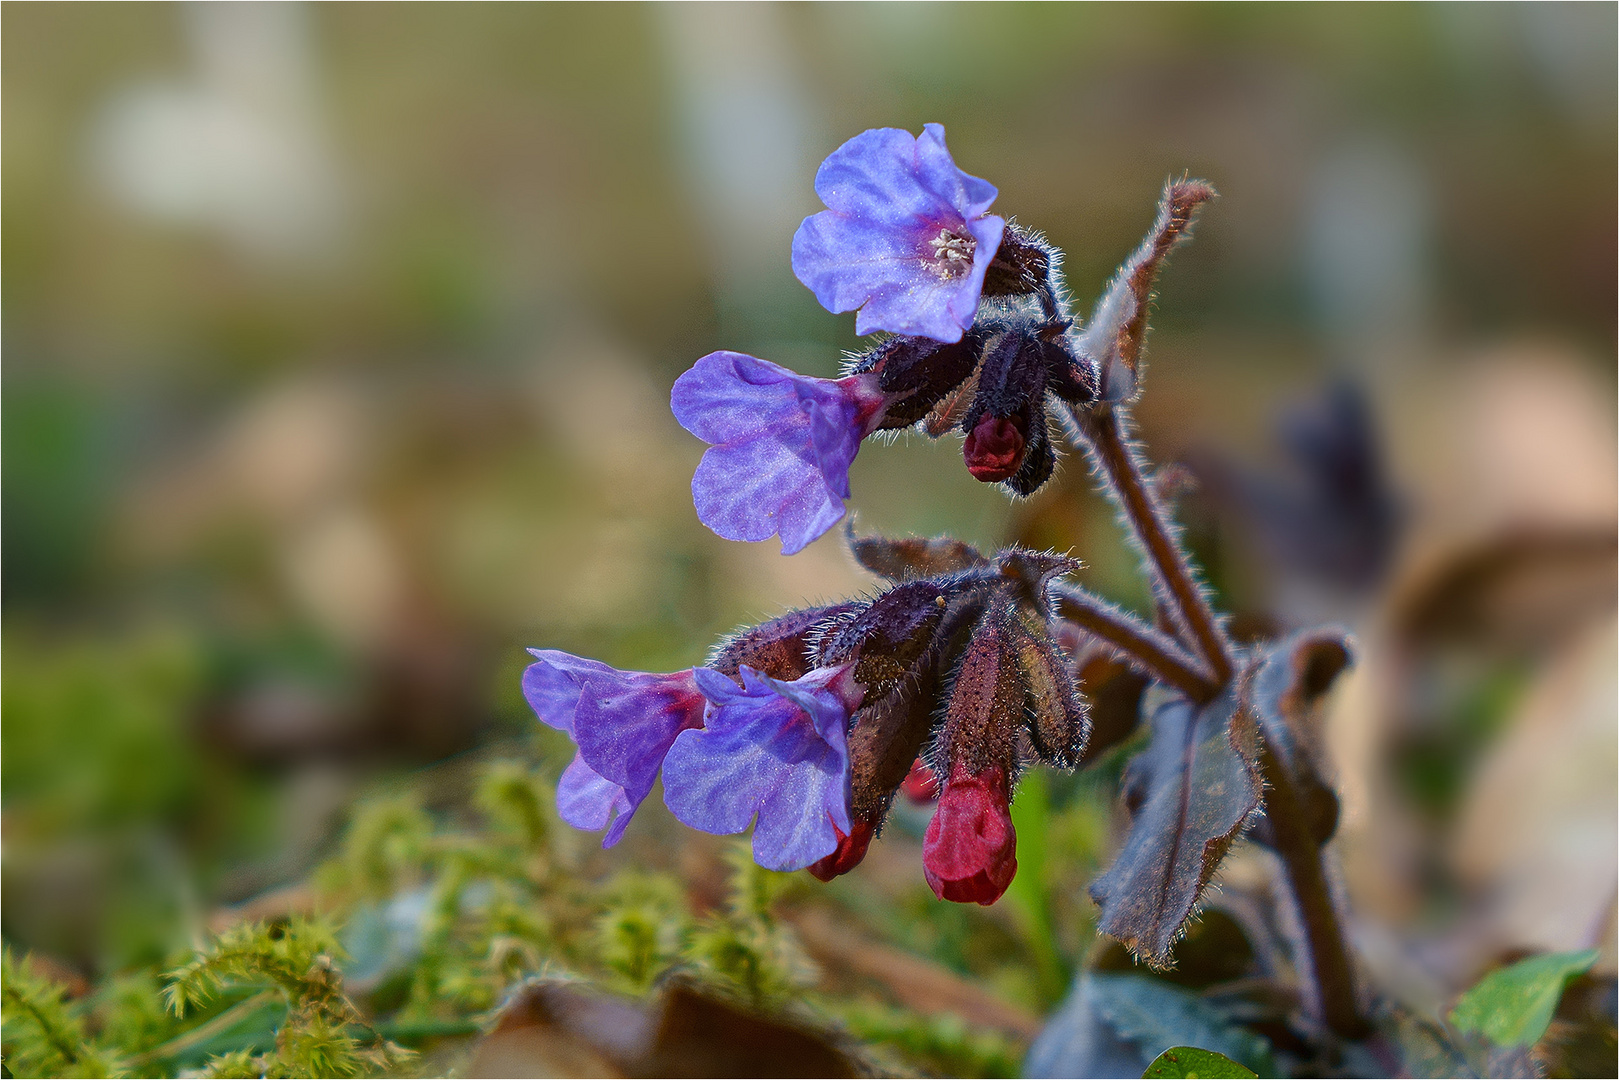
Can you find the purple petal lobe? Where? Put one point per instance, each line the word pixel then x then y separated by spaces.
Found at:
pixel 623 723
pixel 905 237
pixel 586 801
pixel 783 444
pixel 551 686
pixel 772 754
pixel 626 723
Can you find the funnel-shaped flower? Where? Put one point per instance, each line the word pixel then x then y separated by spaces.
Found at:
pixel 773 751
pixel 969 853
pixel 905 236
pixel 783 444
pixel 623 723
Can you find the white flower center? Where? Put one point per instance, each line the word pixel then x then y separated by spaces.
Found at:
pixel 952 253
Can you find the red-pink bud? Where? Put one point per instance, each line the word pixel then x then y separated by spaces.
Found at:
pixel 850 850
pixel 921 784
pixel 969 853
pixel 994 449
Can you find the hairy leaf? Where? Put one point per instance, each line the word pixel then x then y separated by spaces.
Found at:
pixel 913 556
pixel 1114 1024
pixel 1282 690
pixel 1190 793
pixel 1118 326
pixel 1187 1061
pixel 1513 1006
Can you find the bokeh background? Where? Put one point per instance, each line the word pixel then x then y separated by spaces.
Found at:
pixel 338 339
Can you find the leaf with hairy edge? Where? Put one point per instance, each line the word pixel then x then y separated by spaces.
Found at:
pixel 1190 793
pixel 1154 1014
pixel 1118 327
pixel 914 556
pixel 1513 1006
pixel 1282 689
pixel 1187 1061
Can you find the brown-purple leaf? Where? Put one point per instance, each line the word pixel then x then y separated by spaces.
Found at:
pixel 1118 326
pixel 914 556
pixel 1191 791
pixel 558 1028
pixel 1283 688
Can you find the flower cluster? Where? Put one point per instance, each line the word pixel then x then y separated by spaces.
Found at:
pixel 979 338
pixel 806 726
pixel 949 681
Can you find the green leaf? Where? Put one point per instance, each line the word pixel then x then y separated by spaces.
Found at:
pixel 1514 1005
pixel 1189 1061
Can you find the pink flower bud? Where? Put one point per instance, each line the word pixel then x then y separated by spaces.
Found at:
pixel 969 853
pixel 921 784
pixel 851 849
pixel 994 449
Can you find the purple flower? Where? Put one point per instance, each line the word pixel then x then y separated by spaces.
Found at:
pixel 623 723
pixel 773 751
pixel 588 801
pixel 783 443
pixel 905 237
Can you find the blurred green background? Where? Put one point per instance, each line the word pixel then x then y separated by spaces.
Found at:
pixel 338 341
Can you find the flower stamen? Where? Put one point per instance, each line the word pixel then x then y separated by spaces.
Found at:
pixel 952 253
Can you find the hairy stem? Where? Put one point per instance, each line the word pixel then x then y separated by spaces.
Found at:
pixel 1327 966
pixel 1100 431
pixel 1154 652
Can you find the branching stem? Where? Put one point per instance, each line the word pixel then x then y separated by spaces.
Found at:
pixel 1328 965
pixel 1153 651
pixel 1101 432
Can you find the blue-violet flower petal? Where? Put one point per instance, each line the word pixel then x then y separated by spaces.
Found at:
pixel 783 444
pixel 587 801
pixel 623 723
pixel 905 237
pixel 772 754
